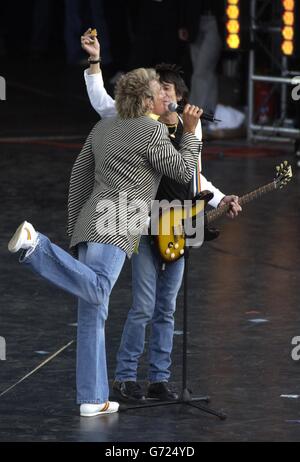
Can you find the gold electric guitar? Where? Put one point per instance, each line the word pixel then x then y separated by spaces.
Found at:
pixel 170 238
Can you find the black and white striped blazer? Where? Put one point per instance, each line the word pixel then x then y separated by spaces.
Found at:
pixel 129 157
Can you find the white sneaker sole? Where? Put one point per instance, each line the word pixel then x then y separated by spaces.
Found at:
pixel 110 410
pixel 15 243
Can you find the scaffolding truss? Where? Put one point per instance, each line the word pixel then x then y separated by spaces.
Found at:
pixel 275 74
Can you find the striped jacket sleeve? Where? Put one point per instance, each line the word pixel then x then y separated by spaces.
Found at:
pixel 178 165
pixel 81 183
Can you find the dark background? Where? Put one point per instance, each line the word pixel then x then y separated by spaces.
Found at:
pixel 33 35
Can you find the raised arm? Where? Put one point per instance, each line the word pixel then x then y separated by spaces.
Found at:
pixel 101 101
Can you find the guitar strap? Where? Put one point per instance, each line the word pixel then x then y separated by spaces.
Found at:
pixel 197 188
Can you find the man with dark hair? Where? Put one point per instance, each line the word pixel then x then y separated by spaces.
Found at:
pixel 154 290
pixel 170 73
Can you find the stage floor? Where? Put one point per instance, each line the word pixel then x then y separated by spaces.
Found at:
pixel 243 296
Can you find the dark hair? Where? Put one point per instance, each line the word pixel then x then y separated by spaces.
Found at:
pixel 171 73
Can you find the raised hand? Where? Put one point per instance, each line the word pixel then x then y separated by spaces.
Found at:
pixel 90 44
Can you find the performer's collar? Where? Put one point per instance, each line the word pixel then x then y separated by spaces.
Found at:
pixel 153 116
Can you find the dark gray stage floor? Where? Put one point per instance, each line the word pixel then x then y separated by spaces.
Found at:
pixel 243 311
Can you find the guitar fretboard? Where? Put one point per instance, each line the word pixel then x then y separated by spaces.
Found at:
pixel 217 213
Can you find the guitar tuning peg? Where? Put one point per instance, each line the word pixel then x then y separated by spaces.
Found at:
pixel 285 163
pixel 277 168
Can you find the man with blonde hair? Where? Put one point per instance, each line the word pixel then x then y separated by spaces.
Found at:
pixel 124 156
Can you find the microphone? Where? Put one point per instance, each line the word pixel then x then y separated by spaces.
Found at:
pixel 205 116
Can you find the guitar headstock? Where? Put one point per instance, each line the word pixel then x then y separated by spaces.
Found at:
pixel 284 174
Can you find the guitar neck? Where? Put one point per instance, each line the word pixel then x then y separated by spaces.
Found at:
pixel 217 213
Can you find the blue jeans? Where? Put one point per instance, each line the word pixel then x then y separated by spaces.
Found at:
pixel 91 280
pixel 154 301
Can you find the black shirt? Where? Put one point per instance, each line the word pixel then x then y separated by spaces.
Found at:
pixel 169 189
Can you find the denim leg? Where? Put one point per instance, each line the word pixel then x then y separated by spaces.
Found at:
pixel 60 268
pixel 144 280
pixel 161 339
pixel 91 280
pixel 92 380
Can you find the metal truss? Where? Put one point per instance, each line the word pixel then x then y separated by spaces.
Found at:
pixel 265 33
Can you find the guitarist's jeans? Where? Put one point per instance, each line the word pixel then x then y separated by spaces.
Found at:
pixel 154 301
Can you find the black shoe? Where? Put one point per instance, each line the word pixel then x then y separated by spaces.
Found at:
pixel 128 391
pixel 161 392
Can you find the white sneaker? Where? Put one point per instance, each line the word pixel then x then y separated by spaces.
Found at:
pixel 24 238
pixel 91 410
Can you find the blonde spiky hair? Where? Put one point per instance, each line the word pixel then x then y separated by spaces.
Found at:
pixel 133 92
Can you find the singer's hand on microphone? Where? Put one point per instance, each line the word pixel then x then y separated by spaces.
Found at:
pixel 191 116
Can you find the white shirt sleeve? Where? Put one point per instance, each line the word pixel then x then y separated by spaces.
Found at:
pixel 101 101
pixel 205 184
pixel 198 131
pixel 218 195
